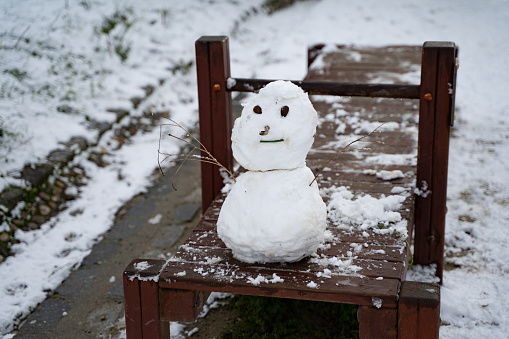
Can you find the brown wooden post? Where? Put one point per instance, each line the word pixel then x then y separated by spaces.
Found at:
pixel 141 295
pixel 419 310
pixel 435 117
pixel 153 327
pixel 132 306
pixel 215 106
pixel 182 305
pixel 377 323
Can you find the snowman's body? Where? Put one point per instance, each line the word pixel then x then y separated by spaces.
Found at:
pixel 272 213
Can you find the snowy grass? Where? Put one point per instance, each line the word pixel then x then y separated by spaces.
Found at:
pixel 57 74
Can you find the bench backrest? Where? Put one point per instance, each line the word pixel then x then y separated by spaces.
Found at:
pixel 435 93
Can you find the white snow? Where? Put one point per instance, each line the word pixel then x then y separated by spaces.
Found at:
pixel 261 223
pixel 264 138
pixel 377 302
pixel 390 175
pixel 156 219
pixel 312 284
pixel 42 38
pixel 142 266
pixel 365 212
pixel 423 191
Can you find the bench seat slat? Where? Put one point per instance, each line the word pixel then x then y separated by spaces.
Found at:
pixel 347 266
pixel 301 285
pixel 205 241
pixel 206 228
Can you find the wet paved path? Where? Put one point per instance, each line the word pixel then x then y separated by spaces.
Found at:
pixel 90 303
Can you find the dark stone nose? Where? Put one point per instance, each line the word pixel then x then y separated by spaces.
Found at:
pixel 265 131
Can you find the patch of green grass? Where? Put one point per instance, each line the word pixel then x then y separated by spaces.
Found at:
pixel 17 73
pixel 271 318
pixel 115 27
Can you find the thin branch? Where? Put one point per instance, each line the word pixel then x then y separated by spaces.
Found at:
pixel 344 148
pixel 189 156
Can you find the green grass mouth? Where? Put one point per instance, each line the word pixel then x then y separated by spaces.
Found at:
pixel 279 140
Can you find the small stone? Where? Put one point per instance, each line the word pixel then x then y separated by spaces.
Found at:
pixel 57 190
pixel 44 196
pixel 38 219
pixel 10 197
pixel 100 126
pixel 60 183
pixel 18 222
pixel 44 209
pixel 77 142
pixel 119 112
pixel 67 109
pixel 38 175
pixel 60 156
pixel 4 236
pixel 53 205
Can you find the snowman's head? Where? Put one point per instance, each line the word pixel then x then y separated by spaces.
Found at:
pixel 276 128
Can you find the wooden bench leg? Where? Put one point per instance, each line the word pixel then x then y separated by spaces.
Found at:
pixel 182 305
pixel 419 310
pixel 132 305
pixel 141 293
pixel 379 323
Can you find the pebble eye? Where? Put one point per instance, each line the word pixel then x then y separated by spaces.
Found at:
pixel 257 109
pixel 284 111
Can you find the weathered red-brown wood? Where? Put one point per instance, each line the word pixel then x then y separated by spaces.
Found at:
pixel 141 293
pixel 215 111
pixel 435 109
pixel 419 310
pixel 132 306
pixel 364 267
pixel 153 326
pixel 296 285
pixel 377 323
pixel 181 305
pixel 334 88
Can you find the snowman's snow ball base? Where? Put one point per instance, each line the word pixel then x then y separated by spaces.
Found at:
pixel 272 213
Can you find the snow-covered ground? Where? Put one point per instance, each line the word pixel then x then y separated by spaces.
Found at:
pixel 61 67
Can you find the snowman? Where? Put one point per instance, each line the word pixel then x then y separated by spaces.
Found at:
pixel 272 213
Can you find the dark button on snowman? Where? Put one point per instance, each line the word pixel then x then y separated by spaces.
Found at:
pixel 272 213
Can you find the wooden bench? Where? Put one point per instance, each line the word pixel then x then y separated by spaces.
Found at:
pixel 157 292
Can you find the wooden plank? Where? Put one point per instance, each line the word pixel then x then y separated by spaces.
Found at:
pixel 220 258
pixel 205 117
pixel 438 73
pixel 379 323
pixel 443 122
pixel 132 303
pixel 222 117
pixel 181 305
pixel 333 88
pixel 215 107
pixel 365 64
pixel 286 284
pixel 419 310
pixel 365 249
pixel 153 326
pixel 142 300
pixel 425 154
